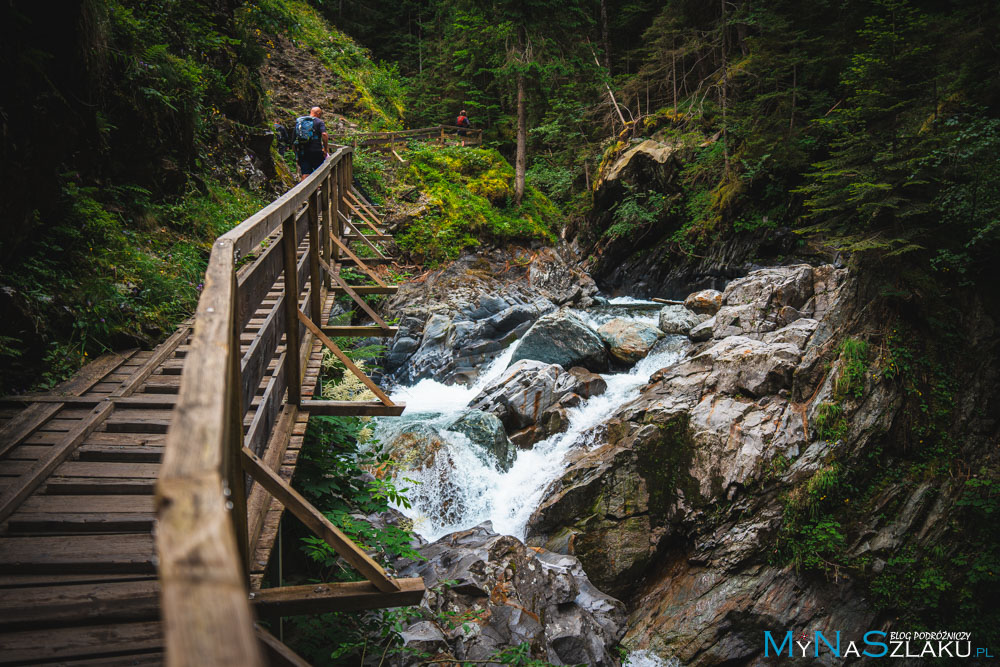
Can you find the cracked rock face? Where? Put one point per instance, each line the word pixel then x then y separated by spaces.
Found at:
pixel 458 318
pixel 506 594
pixel 636 510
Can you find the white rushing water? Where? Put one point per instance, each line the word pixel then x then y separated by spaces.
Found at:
pixel 646 658
pixel 463 488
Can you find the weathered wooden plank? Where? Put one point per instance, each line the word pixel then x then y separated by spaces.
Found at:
pixel 257 504
pixel 161 353
pixel 136 453
pixel 111 470
pixel 20 489
pixel 317 522
pixel 62 644
pixel 261 352
pixel 77 553
pixel 324 598
pixel 370 237
pixel 99 485
pixel 352 408
pixel 365 331
pixel 139 421
pixel 268 408
pixel 17 429
pixel 102 504
pixel 42 522
pixel 162 384
pixel 347 261
pixel 14 581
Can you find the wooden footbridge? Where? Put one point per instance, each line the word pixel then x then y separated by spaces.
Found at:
pixel 140 500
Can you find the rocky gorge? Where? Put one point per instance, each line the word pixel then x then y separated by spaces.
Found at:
pixel 596 473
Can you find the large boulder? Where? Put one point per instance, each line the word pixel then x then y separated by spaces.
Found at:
pixel 629 341
pixel 565 339
pixel 485 430
pixel 520 396
pixel 677 319
pixel 508 595
pixel 705 302
pixel 589 384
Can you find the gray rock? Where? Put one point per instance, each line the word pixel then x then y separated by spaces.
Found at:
pixel 706 302
pixel 589 384
pixel 563 338
pixel 676 319
pixel 702 332
pixel 523 595
pixel 486 430
pixel 524 392
pixel 629 341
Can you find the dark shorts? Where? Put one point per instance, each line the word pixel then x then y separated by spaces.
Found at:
pixel 310 162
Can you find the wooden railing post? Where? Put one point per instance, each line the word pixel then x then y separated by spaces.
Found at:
pixel 292 375
pixel 336 209
pixel 324 231
pixel 233 474
pixel 315 243
pixel 442 135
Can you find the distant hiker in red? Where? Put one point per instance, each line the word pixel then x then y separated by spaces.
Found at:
pixel 311 141
pixel 462 122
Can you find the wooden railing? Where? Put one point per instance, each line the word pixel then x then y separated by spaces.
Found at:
pixel 203 528
pixel 439 133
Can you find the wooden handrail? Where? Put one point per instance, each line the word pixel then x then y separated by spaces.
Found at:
pixel 201 535
pixel 204 533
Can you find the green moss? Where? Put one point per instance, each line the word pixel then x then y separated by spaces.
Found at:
pixel 665 463
pixel 471 192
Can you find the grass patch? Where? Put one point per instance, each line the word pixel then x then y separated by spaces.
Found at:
pixel 471 193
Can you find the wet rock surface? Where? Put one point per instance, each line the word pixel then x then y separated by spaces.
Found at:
pixel 486 430
pixel 521 395
pixel 456 319
pixel 629 341
pixel 563 338
pixel 507 594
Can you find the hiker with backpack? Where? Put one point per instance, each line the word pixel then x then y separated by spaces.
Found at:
pixel 463 123
pixel 311 141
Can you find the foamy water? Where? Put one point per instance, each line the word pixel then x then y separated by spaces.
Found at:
pixel 464 488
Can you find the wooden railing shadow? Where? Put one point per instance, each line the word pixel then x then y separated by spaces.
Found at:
pixel 204 533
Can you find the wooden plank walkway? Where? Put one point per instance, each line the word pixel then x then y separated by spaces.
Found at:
pixel 79 465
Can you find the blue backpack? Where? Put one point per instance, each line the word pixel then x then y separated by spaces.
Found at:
pixel 303 130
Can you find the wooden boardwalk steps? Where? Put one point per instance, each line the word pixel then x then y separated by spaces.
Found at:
pixel 123 498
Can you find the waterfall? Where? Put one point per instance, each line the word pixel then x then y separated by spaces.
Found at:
pixel 463 488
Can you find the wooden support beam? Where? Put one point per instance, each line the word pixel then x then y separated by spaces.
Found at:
pixel 361 263
pixel 278 654
pixel 357 235
pixel 343 596
pixel 315 245
pixel 352 408
pixel 367 289
pixel 370 237
pixel 357 299
pixel 361 215
pixel 369 260
pixel 143 401
pixel 367 381
pixel 318 523
pixel 359 331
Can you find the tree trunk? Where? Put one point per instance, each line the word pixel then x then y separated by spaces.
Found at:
pixel 605 37
pixel 520 161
